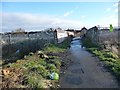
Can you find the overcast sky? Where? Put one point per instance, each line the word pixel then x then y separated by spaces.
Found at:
pixel 41 15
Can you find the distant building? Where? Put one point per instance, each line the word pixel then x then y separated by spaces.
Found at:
pixel 70 32
pixel 83 31
pixel 60 35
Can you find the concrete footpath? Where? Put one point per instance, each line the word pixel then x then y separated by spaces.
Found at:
pixel 86 71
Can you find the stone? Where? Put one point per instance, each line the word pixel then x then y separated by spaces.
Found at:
pixel 5 71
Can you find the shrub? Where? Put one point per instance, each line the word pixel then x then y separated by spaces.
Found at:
pixel 65 43
pixel 116 68
pixel 30 64
pixel 98 53
pixel 42 62
pixel 41 70
pixel 57 63
pixel 109 64
pixel 87 42
pixel 52 68
pixel 110 55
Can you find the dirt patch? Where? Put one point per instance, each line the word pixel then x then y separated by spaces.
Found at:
pixel 12 77
pixel 65 61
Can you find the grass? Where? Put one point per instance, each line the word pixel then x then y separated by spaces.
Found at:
pixel 54 48
pixel 37 69
pixel 111 60
pixel 57 48
pixel 35 80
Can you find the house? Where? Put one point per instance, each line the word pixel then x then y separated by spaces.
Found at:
pixel 77 33
pixel 83 31
pixel 70 32
pixel 91 33
pixel 60 35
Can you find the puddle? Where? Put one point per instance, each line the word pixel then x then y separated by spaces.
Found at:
pixel 76 43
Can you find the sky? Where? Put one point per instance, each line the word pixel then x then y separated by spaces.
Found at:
pixel 35 16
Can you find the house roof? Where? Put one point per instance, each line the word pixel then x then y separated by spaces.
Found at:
pixel 60 31
pixel 83 28
pixel 71 30
pixel 77 30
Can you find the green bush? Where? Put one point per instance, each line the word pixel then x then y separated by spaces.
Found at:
pixel 109 64
pixel 97 53
pixel 57 63
pixel 87 42
pixel 30 64
pixel 56 48
pixel 52 68
pixel 65 44
pixel 42 70
pixel 110 55
pixel 116 68
pixel 42 62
